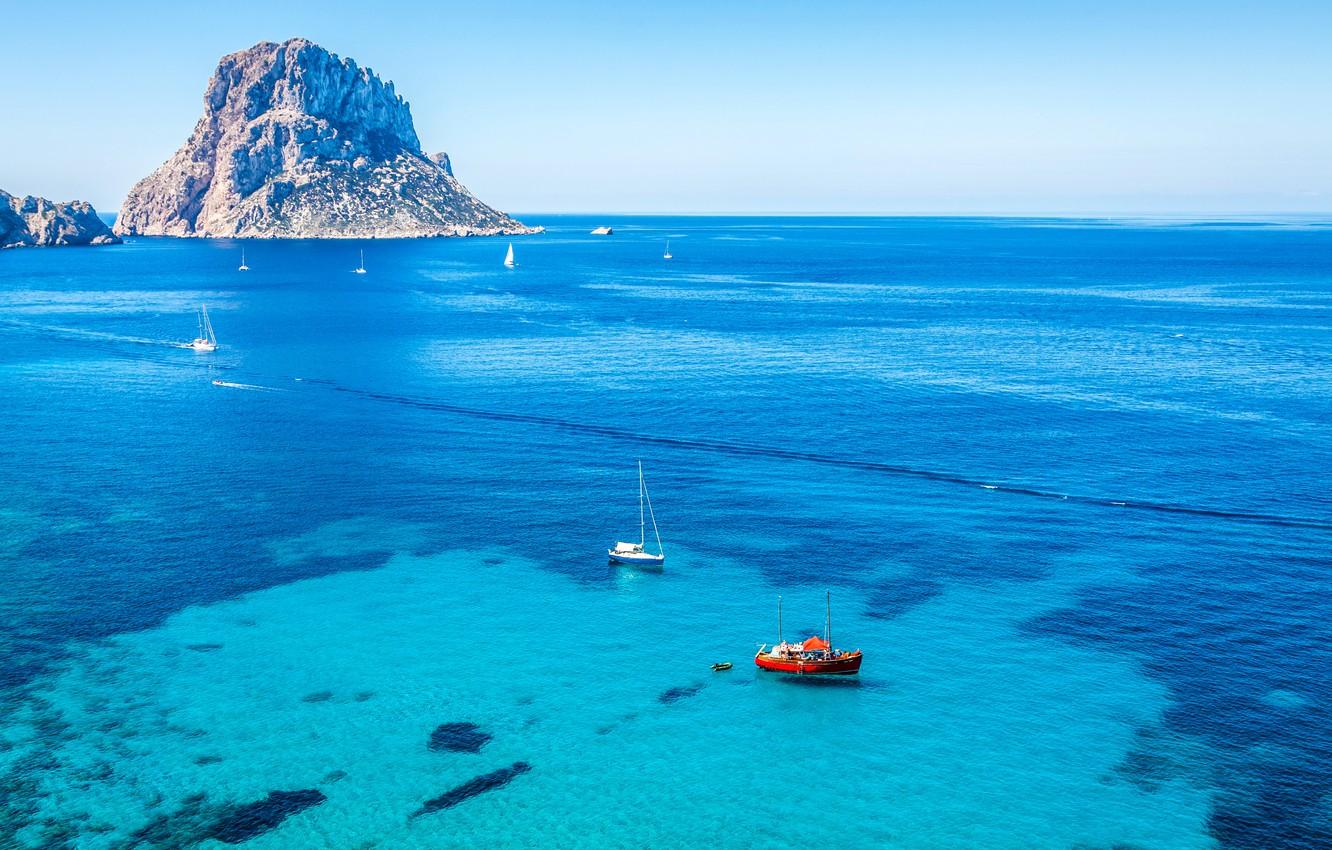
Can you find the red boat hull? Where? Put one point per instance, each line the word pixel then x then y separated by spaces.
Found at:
pixel 845 665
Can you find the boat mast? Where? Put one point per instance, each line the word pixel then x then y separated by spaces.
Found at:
pixel 642 525
pixel 779 619
pixel 827 623
pixel 199 317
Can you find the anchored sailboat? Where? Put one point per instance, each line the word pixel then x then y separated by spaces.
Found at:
pixel 813 656
pixel 243 267
pixel 361 268
pixel 206 340
pixel 508 258
pixel 667 255
pixel 635 554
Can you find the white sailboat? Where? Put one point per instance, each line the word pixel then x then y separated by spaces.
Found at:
pixel 206 340
pixel 243 267
pixel 636 554
pixel 508 258
pixel 361 268
pixel 667 255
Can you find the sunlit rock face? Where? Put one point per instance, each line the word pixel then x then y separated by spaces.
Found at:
pixel 297 142
pixel 30 221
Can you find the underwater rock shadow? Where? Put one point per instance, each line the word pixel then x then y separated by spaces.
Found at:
pixel 241 823
pixel 472 788
pixel 197 820
pixel 460 737
pixel 673 695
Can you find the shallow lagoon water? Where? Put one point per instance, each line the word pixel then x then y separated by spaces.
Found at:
pixel 1068 485
pixel 964 736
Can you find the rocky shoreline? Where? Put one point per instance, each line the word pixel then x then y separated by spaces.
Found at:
pixel 36 222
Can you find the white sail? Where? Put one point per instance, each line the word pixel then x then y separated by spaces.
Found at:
pixel 508 258
pixel 206 340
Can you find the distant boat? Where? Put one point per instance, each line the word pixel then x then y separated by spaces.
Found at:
pixel 361 268
pixel 635 554
pixel 667 255
pixel 602 231
pixel 813 656
pixel 243 267
pixel 508 258
pixel 207 340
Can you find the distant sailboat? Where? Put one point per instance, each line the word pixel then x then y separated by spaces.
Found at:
pixel 243 267
pixel 508 258
pixel 206 340
pixel 361 268
pixel 602 231
pixel 667 255
pixel 635 554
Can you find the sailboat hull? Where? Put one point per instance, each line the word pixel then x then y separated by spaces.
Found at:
pixel 636 559
pixel 845 665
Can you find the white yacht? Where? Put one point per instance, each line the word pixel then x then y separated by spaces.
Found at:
pixel 243 267
pixel 361 268
pixel 667 255
pixel 602 231
pixel 636 554
pixel 206 340
pixel 508 258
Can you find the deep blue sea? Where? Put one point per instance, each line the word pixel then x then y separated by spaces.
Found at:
pixel 1068 482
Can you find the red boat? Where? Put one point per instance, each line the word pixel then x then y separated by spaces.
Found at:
pixel 813 656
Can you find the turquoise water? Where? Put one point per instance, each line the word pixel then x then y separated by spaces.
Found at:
pixel 1067 483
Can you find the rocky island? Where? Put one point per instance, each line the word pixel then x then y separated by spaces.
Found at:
pixel 36 221
pixel 296 142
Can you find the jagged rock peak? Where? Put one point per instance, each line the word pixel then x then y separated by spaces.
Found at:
pixel 299 76
pixel 36 221
pixel 297 142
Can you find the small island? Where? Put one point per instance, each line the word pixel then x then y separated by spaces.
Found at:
pixel 31 221
pixel 296 142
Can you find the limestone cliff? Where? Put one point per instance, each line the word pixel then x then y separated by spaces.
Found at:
pixel 37 221
pixel 296 142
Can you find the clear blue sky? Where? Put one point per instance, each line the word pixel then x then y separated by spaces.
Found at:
pixel 734 106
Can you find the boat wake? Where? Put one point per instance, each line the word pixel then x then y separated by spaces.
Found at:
pixel 237 386
pixel 744 449
pixel 751 450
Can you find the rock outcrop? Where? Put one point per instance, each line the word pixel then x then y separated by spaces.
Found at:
pixel 37 221
pixel 296 142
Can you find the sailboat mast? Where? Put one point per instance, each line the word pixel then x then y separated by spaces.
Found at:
pixel 779 619
pixel 199 317
pixel 642 524
pixel 827 623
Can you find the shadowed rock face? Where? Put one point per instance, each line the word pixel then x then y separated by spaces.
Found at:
pixel 473 787
pixel 33 221
pixel 297 142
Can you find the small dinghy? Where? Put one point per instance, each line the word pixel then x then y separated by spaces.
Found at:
pixel 721 665
pixel 635 554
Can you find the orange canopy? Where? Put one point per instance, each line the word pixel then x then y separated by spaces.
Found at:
pixel 815 643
